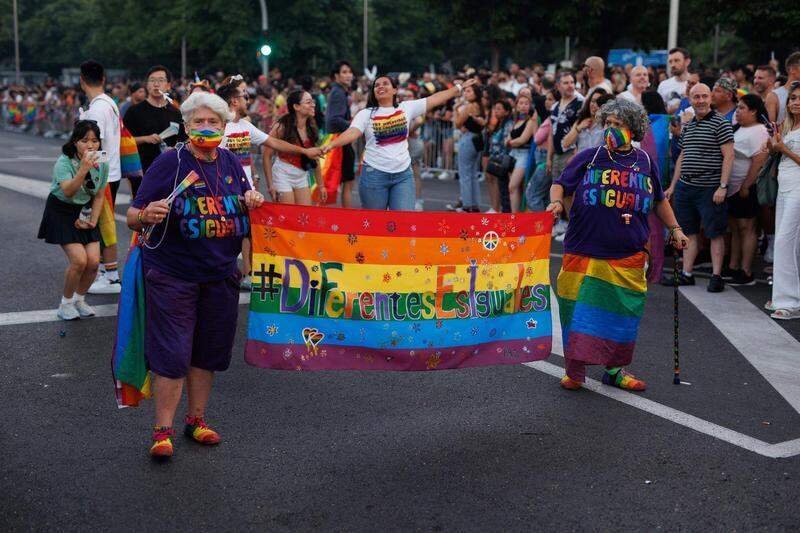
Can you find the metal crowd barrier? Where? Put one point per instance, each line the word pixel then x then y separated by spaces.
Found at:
pixel 439 141
pixel 46 119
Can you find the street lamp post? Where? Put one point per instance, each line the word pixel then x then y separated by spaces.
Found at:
pixel 264 28
pixel 366 33
pixel 16 41
pixel 672 36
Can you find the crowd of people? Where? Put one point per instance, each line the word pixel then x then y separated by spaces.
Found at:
pixel 629 160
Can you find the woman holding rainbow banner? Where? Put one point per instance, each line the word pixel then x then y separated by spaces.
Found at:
pixel 189 264
pixel 601 288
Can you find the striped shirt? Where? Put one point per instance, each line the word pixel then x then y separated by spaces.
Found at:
pixel 701 142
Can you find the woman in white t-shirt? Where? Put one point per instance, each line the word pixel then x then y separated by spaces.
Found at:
pixel 785 302
pixel 386 180
pixel 749 146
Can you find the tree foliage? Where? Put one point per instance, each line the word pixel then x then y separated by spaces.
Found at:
pixel 308 35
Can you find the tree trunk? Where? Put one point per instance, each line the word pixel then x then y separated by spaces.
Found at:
pixel 495 57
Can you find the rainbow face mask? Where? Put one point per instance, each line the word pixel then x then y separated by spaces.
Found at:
pixel 206 139
pixel 617 137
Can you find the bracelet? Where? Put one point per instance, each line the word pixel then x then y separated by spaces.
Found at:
pixel 673 229
pixel 140 216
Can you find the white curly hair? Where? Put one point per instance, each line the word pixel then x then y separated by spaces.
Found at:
pixel 207 100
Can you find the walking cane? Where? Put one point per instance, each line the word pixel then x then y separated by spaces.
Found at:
pixel 675 320
pixel 676 378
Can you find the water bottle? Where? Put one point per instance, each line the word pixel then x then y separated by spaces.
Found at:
pixel 86 214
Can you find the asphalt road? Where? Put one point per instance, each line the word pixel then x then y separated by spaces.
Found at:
pixel 488 449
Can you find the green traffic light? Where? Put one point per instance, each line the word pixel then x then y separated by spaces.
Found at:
pixel 266 50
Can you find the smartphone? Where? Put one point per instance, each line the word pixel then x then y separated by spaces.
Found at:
pixel 102 156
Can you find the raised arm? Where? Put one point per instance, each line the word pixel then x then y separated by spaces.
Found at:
pixel 437 99
pixel 349 136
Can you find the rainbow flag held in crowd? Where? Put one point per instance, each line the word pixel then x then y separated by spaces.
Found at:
pixel 129 162
pixel 128 363
pixel 14 114
pixel 106 223
pixel 389 290
pixel 657 145
pixel 331 170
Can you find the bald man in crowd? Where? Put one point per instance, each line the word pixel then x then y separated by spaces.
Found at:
pixel 640 81
pixel 595 70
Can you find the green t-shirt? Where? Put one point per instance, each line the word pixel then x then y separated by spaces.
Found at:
pixel 66 169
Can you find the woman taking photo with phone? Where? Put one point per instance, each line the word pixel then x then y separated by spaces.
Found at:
pixel 386 180
pixel 71 214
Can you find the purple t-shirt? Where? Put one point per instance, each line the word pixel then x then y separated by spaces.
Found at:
pixel 207 221
pixel 608 218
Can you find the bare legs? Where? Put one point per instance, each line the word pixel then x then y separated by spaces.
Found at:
pixel 82 268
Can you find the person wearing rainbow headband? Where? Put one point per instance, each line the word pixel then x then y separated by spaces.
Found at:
pixel 194 234
pixel 601 288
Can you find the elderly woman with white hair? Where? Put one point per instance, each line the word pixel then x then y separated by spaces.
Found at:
pixel 190 270
pixel 601 288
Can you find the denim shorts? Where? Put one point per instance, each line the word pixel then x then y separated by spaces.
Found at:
pixel 695 208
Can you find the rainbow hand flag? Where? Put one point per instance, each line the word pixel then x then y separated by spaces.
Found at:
pixel 351 289
pixel 331 170
pixel 106 223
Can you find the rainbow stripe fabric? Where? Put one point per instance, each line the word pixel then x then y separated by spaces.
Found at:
pixel 106 223
pixel 128 363
pixel 130 164
pixel 331 171
pixel 601 302
pixel 390 129
pixel 391 290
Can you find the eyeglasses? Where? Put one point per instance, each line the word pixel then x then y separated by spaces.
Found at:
pixel 157 80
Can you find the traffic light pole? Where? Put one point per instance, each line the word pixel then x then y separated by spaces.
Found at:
pixel 264 28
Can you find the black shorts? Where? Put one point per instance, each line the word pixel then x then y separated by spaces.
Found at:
pixel 695 208
pixel 348 163
pixel 739 207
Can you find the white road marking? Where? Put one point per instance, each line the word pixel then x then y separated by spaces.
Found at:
pixel 49 315
pixel 783 449
pixel 29 159
pixel 780 450
pixel 40 189
pixel 767 346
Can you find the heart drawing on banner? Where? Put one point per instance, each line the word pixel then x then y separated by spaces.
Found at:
pixel 312 337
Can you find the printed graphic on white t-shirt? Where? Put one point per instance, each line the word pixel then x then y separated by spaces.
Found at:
pixel 239 137
pixel 386 133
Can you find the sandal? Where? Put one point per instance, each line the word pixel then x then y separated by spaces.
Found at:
pixel 786 314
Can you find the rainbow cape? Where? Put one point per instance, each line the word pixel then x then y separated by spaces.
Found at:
pixel 331 170
pixel 390 290
pixel 128 363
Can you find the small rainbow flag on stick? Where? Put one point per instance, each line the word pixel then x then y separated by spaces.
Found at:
pixel 389 290
pixel 187 182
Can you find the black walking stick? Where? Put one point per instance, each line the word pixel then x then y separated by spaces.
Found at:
pixel 676 378
pixel 675 320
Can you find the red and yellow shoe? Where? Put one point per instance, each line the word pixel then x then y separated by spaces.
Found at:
pixel 162 442
pixel 623 380
pixel 570 384
pixel 197 429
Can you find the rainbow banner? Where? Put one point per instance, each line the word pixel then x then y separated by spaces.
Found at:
pixel 339 289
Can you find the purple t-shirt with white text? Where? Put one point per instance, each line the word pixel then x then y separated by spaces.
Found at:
pixel 207 222
pixel 608 219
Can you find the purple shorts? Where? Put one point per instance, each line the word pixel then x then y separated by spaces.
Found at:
pixel 189 324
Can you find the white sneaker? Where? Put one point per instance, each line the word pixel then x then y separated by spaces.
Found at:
pixel 560 237
pixel 419 205
pixel 427 175
pixel 84 309
pixel 490 211
pixel 445 175
pixel 481 177
pixel 103 285
pixel 247 283
pixel 68 312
